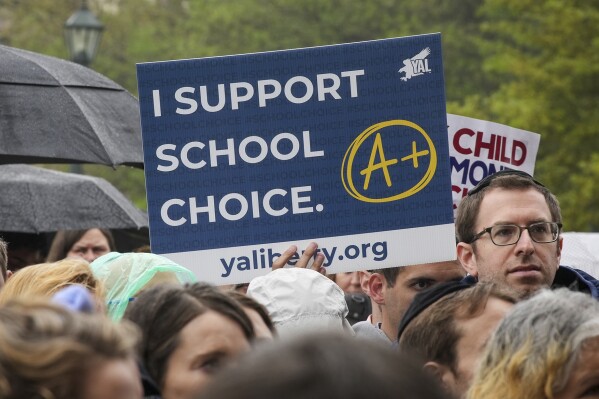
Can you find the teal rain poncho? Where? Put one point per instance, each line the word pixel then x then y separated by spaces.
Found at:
pixel 126 274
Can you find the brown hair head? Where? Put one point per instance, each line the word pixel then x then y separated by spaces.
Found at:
pixel 65 239
pixel 469 207
pixel 433 334
pixel 162 311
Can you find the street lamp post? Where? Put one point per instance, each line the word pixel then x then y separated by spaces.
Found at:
pixel 82 33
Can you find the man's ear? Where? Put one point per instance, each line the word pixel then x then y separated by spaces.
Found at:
pixel 442 374
pixel 376 286
pixel 560 245
pixel 467 258
pixel 364 278
pixel 8 274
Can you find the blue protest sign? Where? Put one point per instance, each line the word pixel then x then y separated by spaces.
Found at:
pixel 343 144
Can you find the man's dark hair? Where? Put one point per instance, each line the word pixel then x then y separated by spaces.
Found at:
pixel 390 274
pixel 433 333
pixel 469 207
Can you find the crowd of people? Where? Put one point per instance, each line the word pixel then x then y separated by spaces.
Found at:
pixel 502 320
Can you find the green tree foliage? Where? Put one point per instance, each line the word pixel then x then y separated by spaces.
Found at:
pixel 529 64
pixel 35 25
pixel 233 27
pixel 545 56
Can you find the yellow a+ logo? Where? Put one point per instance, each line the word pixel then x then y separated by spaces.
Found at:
pixel 379 163
pixel 383 164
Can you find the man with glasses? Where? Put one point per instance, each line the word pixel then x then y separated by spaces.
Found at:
pixel 508 228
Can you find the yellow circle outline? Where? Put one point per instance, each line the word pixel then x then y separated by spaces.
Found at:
pixel 355 146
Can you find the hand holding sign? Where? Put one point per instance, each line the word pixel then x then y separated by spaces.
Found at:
pixel 310 252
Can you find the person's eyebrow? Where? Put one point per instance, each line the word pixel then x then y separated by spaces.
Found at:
pixel 211 353
pixel 422 279
pixel 530 221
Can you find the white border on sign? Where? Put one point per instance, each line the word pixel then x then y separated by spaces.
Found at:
pixel 405 247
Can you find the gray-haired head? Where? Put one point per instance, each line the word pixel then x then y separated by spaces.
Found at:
pixel 533 351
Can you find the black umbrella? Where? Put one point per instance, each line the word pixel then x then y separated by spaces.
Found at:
pixel 34 200
pixel 56 111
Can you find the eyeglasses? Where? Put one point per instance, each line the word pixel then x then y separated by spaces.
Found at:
pixel 505 172
pixel 509 234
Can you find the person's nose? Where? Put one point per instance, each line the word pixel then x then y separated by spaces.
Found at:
pixel 89 255
pixel 525 244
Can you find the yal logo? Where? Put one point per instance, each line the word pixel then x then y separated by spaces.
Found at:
pixel 415 66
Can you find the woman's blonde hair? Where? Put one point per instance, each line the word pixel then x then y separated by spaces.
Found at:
pixel 45 279
pixel 47 351
pixel 533 351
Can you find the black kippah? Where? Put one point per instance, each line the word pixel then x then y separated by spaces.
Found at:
pixel 424 299
pixel 505 172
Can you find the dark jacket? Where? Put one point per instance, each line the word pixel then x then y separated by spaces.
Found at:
pixel 566 276
pixel 576 280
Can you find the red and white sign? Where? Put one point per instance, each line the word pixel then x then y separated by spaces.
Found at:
pixel 480 148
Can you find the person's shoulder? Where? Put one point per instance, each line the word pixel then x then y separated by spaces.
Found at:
pixel 367 330
pixel 362 325
pixel 576 280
